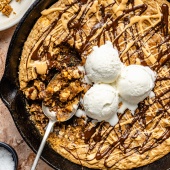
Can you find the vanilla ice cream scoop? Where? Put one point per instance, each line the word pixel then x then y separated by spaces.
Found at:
pixel 135 83
pixel 101 103
pixel 103 65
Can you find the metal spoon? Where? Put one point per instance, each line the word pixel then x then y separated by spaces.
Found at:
pixel 52 120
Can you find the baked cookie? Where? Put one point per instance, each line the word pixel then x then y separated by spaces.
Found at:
pixel 63 37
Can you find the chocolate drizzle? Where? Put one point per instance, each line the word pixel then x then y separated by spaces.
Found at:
pixel 77 21
pixel 98 140
pixel 89 133
pixel 165 11
pixel 94 137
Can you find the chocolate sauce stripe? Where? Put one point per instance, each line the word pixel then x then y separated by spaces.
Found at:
pixel 141 150
pixel 165 11
pixel 162 78
pixel 125 38
pixel 163 93
pixel 51 27
pixel 87 8
pixel 109 149
pixel 166 60
pixel 129 10
pixel 110 166
pixel 155 123
pixel 141 54
pixel 105 136
pixel 165 52
pixel 71 153
pixel 94 30
pixel 115 23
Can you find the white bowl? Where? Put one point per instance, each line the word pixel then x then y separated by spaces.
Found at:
pixel 19 9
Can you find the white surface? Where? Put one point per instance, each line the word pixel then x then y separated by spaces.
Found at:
pixel 6 160
pixel 103 65
pixel 101 102
pixel 19 8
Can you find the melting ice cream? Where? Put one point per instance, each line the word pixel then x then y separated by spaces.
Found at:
pixel 134 84
pixel 101 103
pixel 126 84
pixel 103 65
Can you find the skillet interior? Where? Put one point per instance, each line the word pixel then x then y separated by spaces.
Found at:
pixel 15 101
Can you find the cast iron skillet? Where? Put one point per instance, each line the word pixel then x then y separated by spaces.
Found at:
pixel 15 101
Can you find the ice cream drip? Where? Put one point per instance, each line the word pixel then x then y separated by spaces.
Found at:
pixel 116 87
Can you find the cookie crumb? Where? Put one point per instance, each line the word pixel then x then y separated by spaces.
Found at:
pixel 3 3
pixel 7 10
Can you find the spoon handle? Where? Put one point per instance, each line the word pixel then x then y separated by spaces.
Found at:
pixel 47 132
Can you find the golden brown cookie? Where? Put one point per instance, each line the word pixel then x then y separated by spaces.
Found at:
pixel 140 30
